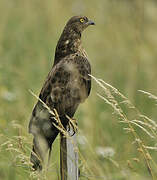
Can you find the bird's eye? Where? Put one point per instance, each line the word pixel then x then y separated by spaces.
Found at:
pixel 81 20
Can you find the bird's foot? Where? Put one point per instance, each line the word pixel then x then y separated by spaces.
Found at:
pixel 72 126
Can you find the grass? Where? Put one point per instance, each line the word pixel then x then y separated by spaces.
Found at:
pixel 145 124
pixel 117 129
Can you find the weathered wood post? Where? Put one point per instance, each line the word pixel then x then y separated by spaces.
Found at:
pixel 68 158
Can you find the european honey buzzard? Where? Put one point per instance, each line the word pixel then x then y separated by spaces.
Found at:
pixel 67 85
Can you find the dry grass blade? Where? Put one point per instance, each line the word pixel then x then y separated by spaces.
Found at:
pixel 151 96
pixel 117 92
pixel 151 148
pixel 50 111
pixel 135 123
pixel 149 120
pixel 115 107
pixel 145 124
pixel 97 80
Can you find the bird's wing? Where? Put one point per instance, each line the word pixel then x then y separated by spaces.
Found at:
pixel 68 83
pixel 84 68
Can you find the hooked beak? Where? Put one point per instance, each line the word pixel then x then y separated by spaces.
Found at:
pixel 90 22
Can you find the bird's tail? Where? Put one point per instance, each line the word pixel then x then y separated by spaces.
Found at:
pixel 35 160
pixel 41 146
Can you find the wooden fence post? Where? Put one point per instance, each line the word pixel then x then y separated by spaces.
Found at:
pixel 68 158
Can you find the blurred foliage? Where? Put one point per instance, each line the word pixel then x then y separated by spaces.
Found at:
pixel 122 50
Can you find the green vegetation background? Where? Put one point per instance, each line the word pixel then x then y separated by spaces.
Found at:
pixel 122 51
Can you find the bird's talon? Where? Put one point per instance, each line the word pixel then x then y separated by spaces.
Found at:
pixel 72 127
pixel 68 127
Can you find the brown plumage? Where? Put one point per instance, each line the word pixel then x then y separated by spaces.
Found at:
pixel 67 85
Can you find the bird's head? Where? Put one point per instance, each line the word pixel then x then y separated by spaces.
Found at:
pixel 79 23
pixel 70 39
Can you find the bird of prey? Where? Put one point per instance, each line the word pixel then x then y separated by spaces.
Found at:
pixel 67 85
